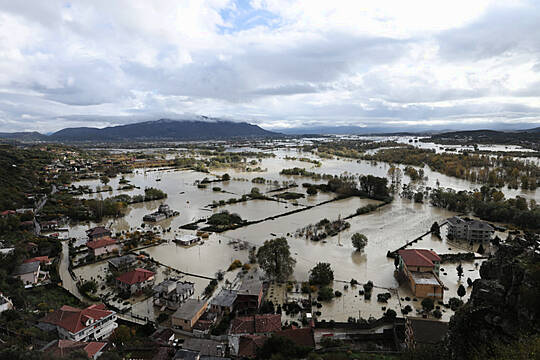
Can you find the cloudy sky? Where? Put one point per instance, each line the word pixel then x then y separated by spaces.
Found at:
pixel 276 63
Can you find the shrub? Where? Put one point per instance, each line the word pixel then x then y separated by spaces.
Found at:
pixel 325 294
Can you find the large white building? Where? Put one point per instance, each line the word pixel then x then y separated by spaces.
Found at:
pixel 469 229
pixel 90 324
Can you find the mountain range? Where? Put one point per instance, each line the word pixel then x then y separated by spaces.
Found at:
pixel 158 130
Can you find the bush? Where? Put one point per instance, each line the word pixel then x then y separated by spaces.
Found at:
pixel 235 265
pixel 337 293
pixel 437 313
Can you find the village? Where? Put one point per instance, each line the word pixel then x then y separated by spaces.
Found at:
pixel 201 282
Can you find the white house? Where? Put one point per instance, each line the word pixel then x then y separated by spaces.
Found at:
pixel 90 324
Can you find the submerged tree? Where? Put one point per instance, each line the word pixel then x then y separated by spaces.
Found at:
pixel 275 259
pixel 459 271
pixel 359 241
pixel 321 274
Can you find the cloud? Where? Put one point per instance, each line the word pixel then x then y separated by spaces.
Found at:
pixel 278 63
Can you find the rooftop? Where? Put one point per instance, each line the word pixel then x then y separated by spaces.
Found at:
pixel 251 285
pixel 425 278
pixel 123 260
pixel 62 348
pixel 96 244
pixel 74 319
pixel 99 230
pixel 256 324
pixel 26 268
pixel 419 257
pixel 301 337
pixel 225 298
pixel 189 308
pixel 136 276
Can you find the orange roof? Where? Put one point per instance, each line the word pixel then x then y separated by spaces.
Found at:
pixel 64 347
pixel 136 276
pixel 96 244
pixel 419 257
pixel 41 259
pixel 256 324
pixel 74 319
pixel 301 337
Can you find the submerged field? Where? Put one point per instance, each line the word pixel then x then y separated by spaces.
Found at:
pixel 387 228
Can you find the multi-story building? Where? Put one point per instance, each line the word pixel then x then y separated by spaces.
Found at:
pixel 469 229
pixel 136 281
pixel 90 324
pixel 420 268
pixel 102 246
pixel 172 293
pixel 188 313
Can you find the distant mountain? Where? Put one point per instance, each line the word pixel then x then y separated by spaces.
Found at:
pixel 23 136
pixel 163 129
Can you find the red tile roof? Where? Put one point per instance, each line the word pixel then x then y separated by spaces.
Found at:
pixel 74 319
pixel 64 347
pixel 136 276
pixel 8 212
pixel 96 244
pixel 256 324
pixel 248 345
pixel 419 257
pixel 97 231
pixel 301 337
pixel 41 259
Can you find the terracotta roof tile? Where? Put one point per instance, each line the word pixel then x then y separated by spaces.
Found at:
pixel 73 319
pixel 96 244
pixel 136 276
pixel 419 257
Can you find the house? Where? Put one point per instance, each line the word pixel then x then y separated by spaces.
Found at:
pixel 420 268
pixel 205 322
pixel 187 240
pixel 249 344
pixel 136 280
pixel 250 294
pixel 188 313
pixel 93 323
pixel 252 325
pixel 420 331
pixel 469 229
pixel 172 293
pixel 184 354
pixel 163 213
pixel 205 347
pixel 27 272
pixel 43 260
pixel 122 263
pixel 5 303
pixel 300 336
pixel 98 233
pixel 103 245
pixel 223 302
pixel 63 348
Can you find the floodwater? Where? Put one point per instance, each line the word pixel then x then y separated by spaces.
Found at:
pixel 387 228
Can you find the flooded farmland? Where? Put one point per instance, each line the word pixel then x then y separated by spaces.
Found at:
pixel 387 229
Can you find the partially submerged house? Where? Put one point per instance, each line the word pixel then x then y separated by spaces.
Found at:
pixel 102 246
pixel 93 323
pixel 469 229
pixel 122 263
pixel 187 240
pixel 172 293
pixel 136 280
pixel 250 293
pixel 420 268
pixel 162 213
pixel 98 233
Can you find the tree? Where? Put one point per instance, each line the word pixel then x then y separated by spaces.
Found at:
pixel 311 190
pixel 419 197
pixel 461 291
pixel 325 294
pixel 359 241
pixel 459 271
pixel 121 335
pixel 275 259
pixel 105 180
pixel 436 229
pixel 321 274
pixel 428 304
pixel 469 282
pixel 225 177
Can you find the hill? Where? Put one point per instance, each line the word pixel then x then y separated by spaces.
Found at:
pixel 164 129
pixel 526 138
